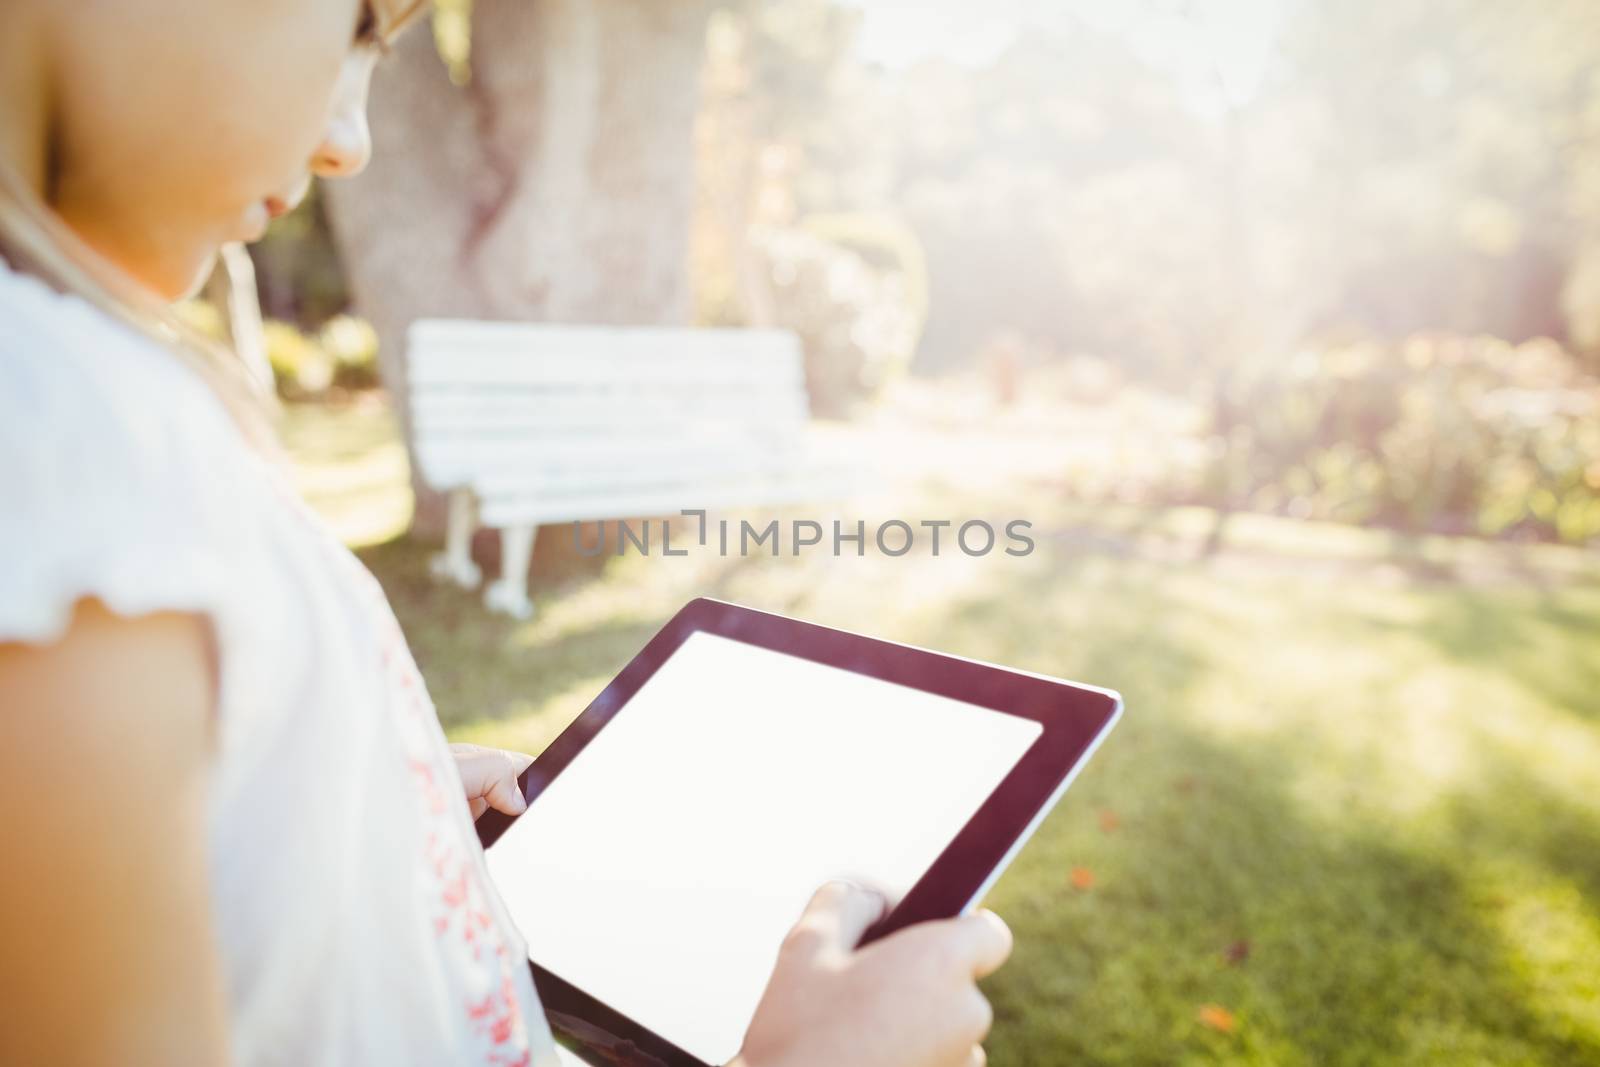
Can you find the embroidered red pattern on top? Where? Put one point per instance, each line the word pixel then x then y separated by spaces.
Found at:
pixel 462 917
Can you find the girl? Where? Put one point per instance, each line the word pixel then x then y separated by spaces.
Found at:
pixel 234 829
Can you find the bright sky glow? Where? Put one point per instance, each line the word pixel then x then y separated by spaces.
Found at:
pixel 1200 43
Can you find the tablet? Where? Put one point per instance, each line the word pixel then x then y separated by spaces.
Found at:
pixel 678 827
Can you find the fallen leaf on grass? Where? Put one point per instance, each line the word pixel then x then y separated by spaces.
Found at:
pixel 1216 1017
pixel 1237 952
pixel 1082 878
pixel 1108 820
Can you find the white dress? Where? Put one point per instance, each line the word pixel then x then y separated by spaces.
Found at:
pixel 356 919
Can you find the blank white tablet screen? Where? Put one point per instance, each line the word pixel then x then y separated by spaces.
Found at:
pixel 661 869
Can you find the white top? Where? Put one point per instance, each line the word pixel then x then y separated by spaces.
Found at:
pixel 356 919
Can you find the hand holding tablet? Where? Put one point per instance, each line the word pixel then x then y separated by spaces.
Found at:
pixel 678 828
pixel 906 999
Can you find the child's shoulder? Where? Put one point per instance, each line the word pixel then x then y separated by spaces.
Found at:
pixel 117 465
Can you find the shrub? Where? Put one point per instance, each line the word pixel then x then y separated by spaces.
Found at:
pixel 854 301
pixel 352 344
pixel 1440 433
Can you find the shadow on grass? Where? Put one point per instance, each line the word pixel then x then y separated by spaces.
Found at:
pixel 1344 943
pixel 1530 635
pixel 478 665
pixel 1347 940
pixel 475 664
pixel 1517 817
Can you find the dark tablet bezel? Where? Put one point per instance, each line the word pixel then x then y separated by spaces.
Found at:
pixel 1074 718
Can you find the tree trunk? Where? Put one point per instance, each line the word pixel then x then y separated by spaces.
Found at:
pixel 556 186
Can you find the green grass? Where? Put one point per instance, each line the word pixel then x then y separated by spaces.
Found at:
pixel 1355 799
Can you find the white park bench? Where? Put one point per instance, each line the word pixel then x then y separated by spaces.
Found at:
pixel 524 424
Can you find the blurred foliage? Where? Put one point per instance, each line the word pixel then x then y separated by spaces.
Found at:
pixel 1135 194
pixel 452 36
pixel 887 244
pixel 1404 166
pixel 299 364
pixel 853 285
pixel 342 355
pixel 858 322
pixel 1139 187
pixel 1439 433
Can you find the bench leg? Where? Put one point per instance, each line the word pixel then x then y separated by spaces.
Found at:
pixel 455 562
pixel 510 592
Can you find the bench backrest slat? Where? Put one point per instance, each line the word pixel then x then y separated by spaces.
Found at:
pixel 514 407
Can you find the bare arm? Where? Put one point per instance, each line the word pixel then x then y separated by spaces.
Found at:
pixel 105 914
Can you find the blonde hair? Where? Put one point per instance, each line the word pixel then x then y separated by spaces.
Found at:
pixel 35 241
